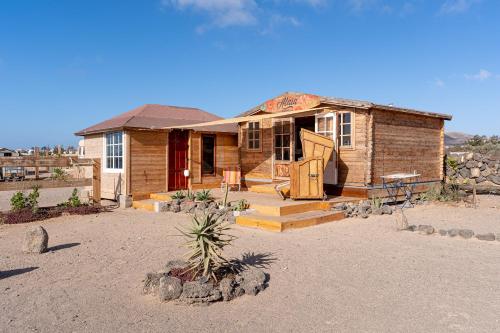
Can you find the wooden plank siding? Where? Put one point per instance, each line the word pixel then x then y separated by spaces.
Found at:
pixel 148 162
pixel 226 155
pixel 258 163
pixel 407 143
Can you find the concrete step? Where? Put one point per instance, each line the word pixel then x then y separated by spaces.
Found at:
pixel 294 221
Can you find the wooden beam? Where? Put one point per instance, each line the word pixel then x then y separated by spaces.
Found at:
pixel 36 162
pixel 46 183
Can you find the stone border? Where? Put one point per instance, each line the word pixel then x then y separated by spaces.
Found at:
pixel 425 229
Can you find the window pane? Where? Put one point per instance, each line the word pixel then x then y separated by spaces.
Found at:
pixel 120 150
pixel 108 163
pixel 256 144
pixel 120 163
pixel 346 129
pixel 329 124
pixel 108 151
pixel 286 154
pixel 250 126
pixel 346 140
pixel 277 152
pixel 277 141
pixel 257 125
pixel 321 124
pixel 286 127
pixel 286 140
pixel 256 135
pixel 250 135
pixel 347 117
pixel 250 144
pixel 277 128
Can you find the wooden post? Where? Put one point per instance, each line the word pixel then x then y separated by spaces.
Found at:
pixel 96 181
pixel 37 155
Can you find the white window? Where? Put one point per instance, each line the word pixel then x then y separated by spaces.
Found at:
pixel 114 151
pixel 345 123
pixel 282 140
pixel 253 135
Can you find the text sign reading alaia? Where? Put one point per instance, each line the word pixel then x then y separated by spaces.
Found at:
pixel 291 102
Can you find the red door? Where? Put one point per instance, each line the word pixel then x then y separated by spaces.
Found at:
pixel 177 160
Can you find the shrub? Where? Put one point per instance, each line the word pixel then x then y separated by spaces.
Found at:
pixel 206 239
pixel 59 174
pixel 204 195
pixel 179 195
pixel 377 203
pixel 190 195
pixel 18 201
pixel 32 200
pixel 74 200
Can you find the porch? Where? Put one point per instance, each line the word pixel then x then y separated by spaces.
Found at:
pixel 268 211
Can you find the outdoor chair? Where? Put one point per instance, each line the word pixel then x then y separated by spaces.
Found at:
pixel 231 176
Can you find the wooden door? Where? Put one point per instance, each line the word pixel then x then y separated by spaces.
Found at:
pixel 177 160
pixel 306 178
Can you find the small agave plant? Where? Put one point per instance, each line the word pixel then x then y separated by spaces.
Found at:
pixel 206 238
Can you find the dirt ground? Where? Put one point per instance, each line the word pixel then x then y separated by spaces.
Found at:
pixel 354 275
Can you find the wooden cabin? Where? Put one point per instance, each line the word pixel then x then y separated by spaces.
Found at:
pixel 138 156
pixel 372 140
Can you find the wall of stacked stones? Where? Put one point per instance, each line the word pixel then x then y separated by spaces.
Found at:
pixel 467 167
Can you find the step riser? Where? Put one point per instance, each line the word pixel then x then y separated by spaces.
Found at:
pixel 270 225
pixel 144 206
pixel 291 209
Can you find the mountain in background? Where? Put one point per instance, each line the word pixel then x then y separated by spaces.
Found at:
pixel 456 138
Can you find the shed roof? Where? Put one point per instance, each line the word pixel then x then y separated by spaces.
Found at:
pixel 155 116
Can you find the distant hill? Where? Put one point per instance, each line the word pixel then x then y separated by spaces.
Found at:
pixel 456 138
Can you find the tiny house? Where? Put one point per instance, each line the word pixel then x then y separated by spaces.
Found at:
pixel 372 140
pixel 139 156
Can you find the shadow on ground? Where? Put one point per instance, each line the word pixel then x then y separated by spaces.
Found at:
pixel 252 259
pixel 14 272
pixel 62 247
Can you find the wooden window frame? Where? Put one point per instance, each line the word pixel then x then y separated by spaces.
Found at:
pixel 203 136
pixel 247 143
pixel 290 133
pixel 339 130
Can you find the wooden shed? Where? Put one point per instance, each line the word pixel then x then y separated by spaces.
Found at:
pixel 139 156
pixel 372 140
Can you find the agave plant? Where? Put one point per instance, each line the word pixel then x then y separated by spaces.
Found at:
pixel 204 195
pixel 179 195
pixel 206 239
pixel 190 195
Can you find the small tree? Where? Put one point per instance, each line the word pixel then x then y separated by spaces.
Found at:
pixel 32 199
pixel 74 200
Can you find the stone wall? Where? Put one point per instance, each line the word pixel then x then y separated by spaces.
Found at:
pixel 471 168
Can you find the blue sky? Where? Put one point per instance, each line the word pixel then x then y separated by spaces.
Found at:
pixel 65 65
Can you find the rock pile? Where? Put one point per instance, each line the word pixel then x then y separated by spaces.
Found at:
pixel 202 291
pixel 362 209
pixel 482 169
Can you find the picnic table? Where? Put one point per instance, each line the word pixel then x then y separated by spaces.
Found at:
pixel 404 183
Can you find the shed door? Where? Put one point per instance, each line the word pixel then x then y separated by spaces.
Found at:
pixel 326 124
pixel 177 160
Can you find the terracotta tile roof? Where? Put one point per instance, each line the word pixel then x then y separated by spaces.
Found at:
pixel 155 116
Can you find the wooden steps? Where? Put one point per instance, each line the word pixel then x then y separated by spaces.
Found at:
pixel 299 207
pixel 294 221
pixel 268 189
pixel 149 204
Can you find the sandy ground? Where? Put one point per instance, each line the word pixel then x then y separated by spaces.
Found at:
pixel 48 196
pixel 354 275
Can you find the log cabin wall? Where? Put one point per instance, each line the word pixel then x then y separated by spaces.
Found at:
pixel 406 143
pixel 226 155
pixel 353 161
pixel 112 184
pixel 257 163
pixel 148 162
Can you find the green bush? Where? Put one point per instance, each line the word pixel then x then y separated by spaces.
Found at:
pixel 206 239
pixel 18 201
pixel 59 174
pixel 32 199
pixel 74 200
